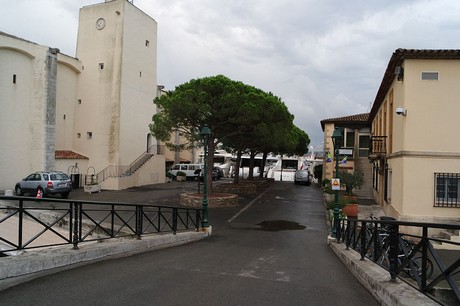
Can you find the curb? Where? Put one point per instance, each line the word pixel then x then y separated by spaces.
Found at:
pixel 377 280
pixel 30 265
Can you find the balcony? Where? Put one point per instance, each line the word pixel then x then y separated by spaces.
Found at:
pixel 377 147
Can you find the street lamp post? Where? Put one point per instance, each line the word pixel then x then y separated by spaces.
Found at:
pixel 336 140
pixel 205 133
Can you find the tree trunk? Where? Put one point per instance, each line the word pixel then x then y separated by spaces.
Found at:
pixel 262 166
pixel 251 165
pixel 236 179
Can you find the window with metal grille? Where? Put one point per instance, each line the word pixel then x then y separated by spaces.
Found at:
pixel 447 190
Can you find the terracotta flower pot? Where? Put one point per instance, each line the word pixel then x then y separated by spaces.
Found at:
pixel 350 210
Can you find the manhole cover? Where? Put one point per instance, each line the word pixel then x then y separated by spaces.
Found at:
pixel 280 225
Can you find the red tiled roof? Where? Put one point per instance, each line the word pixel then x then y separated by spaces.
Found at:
pixel 358 119
pixel 65 154
pixel 397 59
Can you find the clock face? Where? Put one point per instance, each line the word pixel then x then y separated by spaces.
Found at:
pixel 100 23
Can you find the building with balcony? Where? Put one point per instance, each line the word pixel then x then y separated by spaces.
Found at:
pixel 414 148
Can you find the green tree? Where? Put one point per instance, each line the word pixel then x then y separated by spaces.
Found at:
pixel 241 117
pixel 262 126
pixel 212 101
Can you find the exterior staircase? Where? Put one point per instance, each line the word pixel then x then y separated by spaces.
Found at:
pixel 124 171
pixel 137 164
pixel 453 236
pixel 362 164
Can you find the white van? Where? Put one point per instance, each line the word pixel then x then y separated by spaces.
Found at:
pixel 189 170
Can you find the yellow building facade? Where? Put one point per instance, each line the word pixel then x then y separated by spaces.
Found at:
pixel 415 150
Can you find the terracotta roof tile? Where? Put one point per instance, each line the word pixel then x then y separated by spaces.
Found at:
pixel 347 120
pixel 66 154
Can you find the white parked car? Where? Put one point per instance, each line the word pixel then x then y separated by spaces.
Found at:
pixel 302 177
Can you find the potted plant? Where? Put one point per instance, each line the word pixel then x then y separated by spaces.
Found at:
pixel 168 176
pixel 351 180
pixel 181 176
pixel 350 207
pixel 93 185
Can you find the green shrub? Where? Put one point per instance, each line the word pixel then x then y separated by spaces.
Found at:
pixel 351 180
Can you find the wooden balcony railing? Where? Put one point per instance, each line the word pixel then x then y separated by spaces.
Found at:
pixel 377 147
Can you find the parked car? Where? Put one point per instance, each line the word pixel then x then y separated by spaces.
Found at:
pixel 219 172
pixel 216 174
pixel 302 177
pixel 52 182
pixel 188 169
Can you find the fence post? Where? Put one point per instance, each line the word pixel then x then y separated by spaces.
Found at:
pixel 197 219
pixel 21 216
pixel 112 221
pixel 174 221
pixel 394 250
pixel 139 210
pixel 424 256
pixel 339 228
pixel 76 217
pixel 347 233
pixel 363 237
pixel 376 241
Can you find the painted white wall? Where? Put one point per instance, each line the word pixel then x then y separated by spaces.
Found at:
pixel 22 115
pixel 68 72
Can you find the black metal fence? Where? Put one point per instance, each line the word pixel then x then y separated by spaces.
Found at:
pixel 27 223
pixel 415 252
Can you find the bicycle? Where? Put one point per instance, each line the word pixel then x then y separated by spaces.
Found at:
pixel 414 267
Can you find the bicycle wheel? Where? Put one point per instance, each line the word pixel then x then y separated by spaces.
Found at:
pixel 417 262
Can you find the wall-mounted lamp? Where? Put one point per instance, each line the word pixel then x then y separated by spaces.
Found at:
pixel 401 111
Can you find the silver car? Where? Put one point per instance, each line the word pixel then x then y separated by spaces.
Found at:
pixel 302 177
pixel 52 182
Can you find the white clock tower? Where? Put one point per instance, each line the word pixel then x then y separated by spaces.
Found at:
pixel 117 45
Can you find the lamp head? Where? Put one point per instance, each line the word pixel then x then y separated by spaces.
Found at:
pixel 336 137
pixel 205 131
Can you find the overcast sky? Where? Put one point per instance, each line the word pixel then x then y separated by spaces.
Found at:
pixel 323 58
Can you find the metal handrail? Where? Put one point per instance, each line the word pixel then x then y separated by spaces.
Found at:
pixel 121 171
pixel 76 221
pixel 365 237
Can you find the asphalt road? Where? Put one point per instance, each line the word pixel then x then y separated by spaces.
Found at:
pixel 273 252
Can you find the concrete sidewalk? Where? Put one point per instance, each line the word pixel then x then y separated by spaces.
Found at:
pixel 373 277
pixel 377 280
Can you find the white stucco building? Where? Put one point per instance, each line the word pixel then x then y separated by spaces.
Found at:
pixel 88 114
